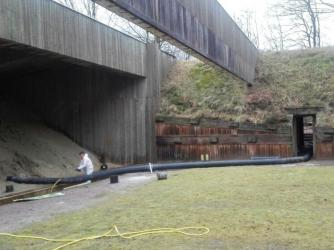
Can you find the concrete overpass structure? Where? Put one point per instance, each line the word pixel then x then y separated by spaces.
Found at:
pixel 95 84
pixel 99 86
pixel 201 27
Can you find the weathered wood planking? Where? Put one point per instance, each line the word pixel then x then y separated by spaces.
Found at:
pixel 47 25
pixel 201 27
pixel 225 139
pixel 179 152
pixel 53 63
pixel 207 126
pixel 107 112
pixel 324 143
pixel 165 129
pixel 188 142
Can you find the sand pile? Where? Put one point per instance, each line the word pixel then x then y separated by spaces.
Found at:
pixel 29 148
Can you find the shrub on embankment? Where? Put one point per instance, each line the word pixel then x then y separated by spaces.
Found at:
pixel 284 79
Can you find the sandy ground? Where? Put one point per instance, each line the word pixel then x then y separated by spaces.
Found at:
pixel 28 147
pixel 16 216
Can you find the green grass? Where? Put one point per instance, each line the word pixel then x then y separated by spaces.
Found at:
pixel 194 89
pixel 245 208
pixel 285 79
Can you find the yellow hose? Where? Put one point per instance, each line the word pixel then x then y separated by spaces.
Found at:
pixel 128 235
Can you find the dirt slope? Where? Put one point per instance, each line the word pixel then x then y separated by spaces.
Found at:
pixel 29 147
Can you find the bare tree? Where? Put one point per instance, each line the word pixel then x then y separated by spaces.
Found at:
pixel 327 6
pixel 173 50
pixel 69 3
pixel 136 32
pixel 302 20
pixel 140 34
pixel 90 8
pixel 111 19
pixel 247 22
pixel 275 35
pixel 87 7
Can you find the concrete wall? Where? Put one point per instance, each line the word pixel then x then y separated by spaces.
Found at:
pixel 47 25
pixel 98 86
pixel 107 112
pixel 102 111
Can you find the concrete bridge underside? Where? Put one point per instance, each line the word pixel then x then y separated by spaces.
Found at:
pixel 96 85
pixel 201 27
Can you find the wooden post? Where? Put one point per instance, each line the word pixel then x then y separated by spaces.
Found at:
pixel 314 123
pixel 294 136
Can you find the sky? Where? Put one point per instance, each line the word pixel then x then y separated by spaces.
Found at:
pixel 260 7
pixel 235 6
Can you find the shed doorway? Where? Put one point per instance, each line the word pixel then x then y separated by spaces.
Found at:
pixel 303 134
pixel 303 130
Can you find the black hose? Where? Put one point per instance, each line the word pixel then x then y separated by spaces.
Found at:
pixel 155 167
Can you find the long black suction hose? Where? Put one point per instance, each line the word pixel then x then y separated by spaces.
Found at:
pixel 100 175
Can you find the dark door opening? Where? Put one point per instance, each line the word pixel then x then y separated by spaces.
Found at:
pixel 303 134
pixel 303 130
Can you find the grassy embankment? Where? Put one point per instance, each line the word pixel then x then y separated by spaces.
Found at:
pixel 245 208
pixel 286 79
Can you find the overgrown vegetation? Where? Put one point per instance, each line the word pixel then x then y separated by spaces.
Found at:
pixel 196 89
pixel 285 79
pixel 299 78
pixel 245 208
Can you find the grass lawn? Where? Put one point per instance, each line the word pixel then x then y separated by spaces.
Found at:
pixel 245 208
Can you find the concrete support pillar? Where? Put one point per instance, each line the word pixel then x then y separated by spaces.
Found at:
pixel 153 81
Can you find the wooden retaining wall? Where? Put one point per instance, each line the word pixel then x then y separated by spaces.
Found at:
pixel 220 141
pixel 201 27
pixel 324 143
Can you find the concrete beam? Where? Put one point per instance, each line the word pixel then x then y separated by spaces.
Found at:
pixel 204 27
pixel 46 25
